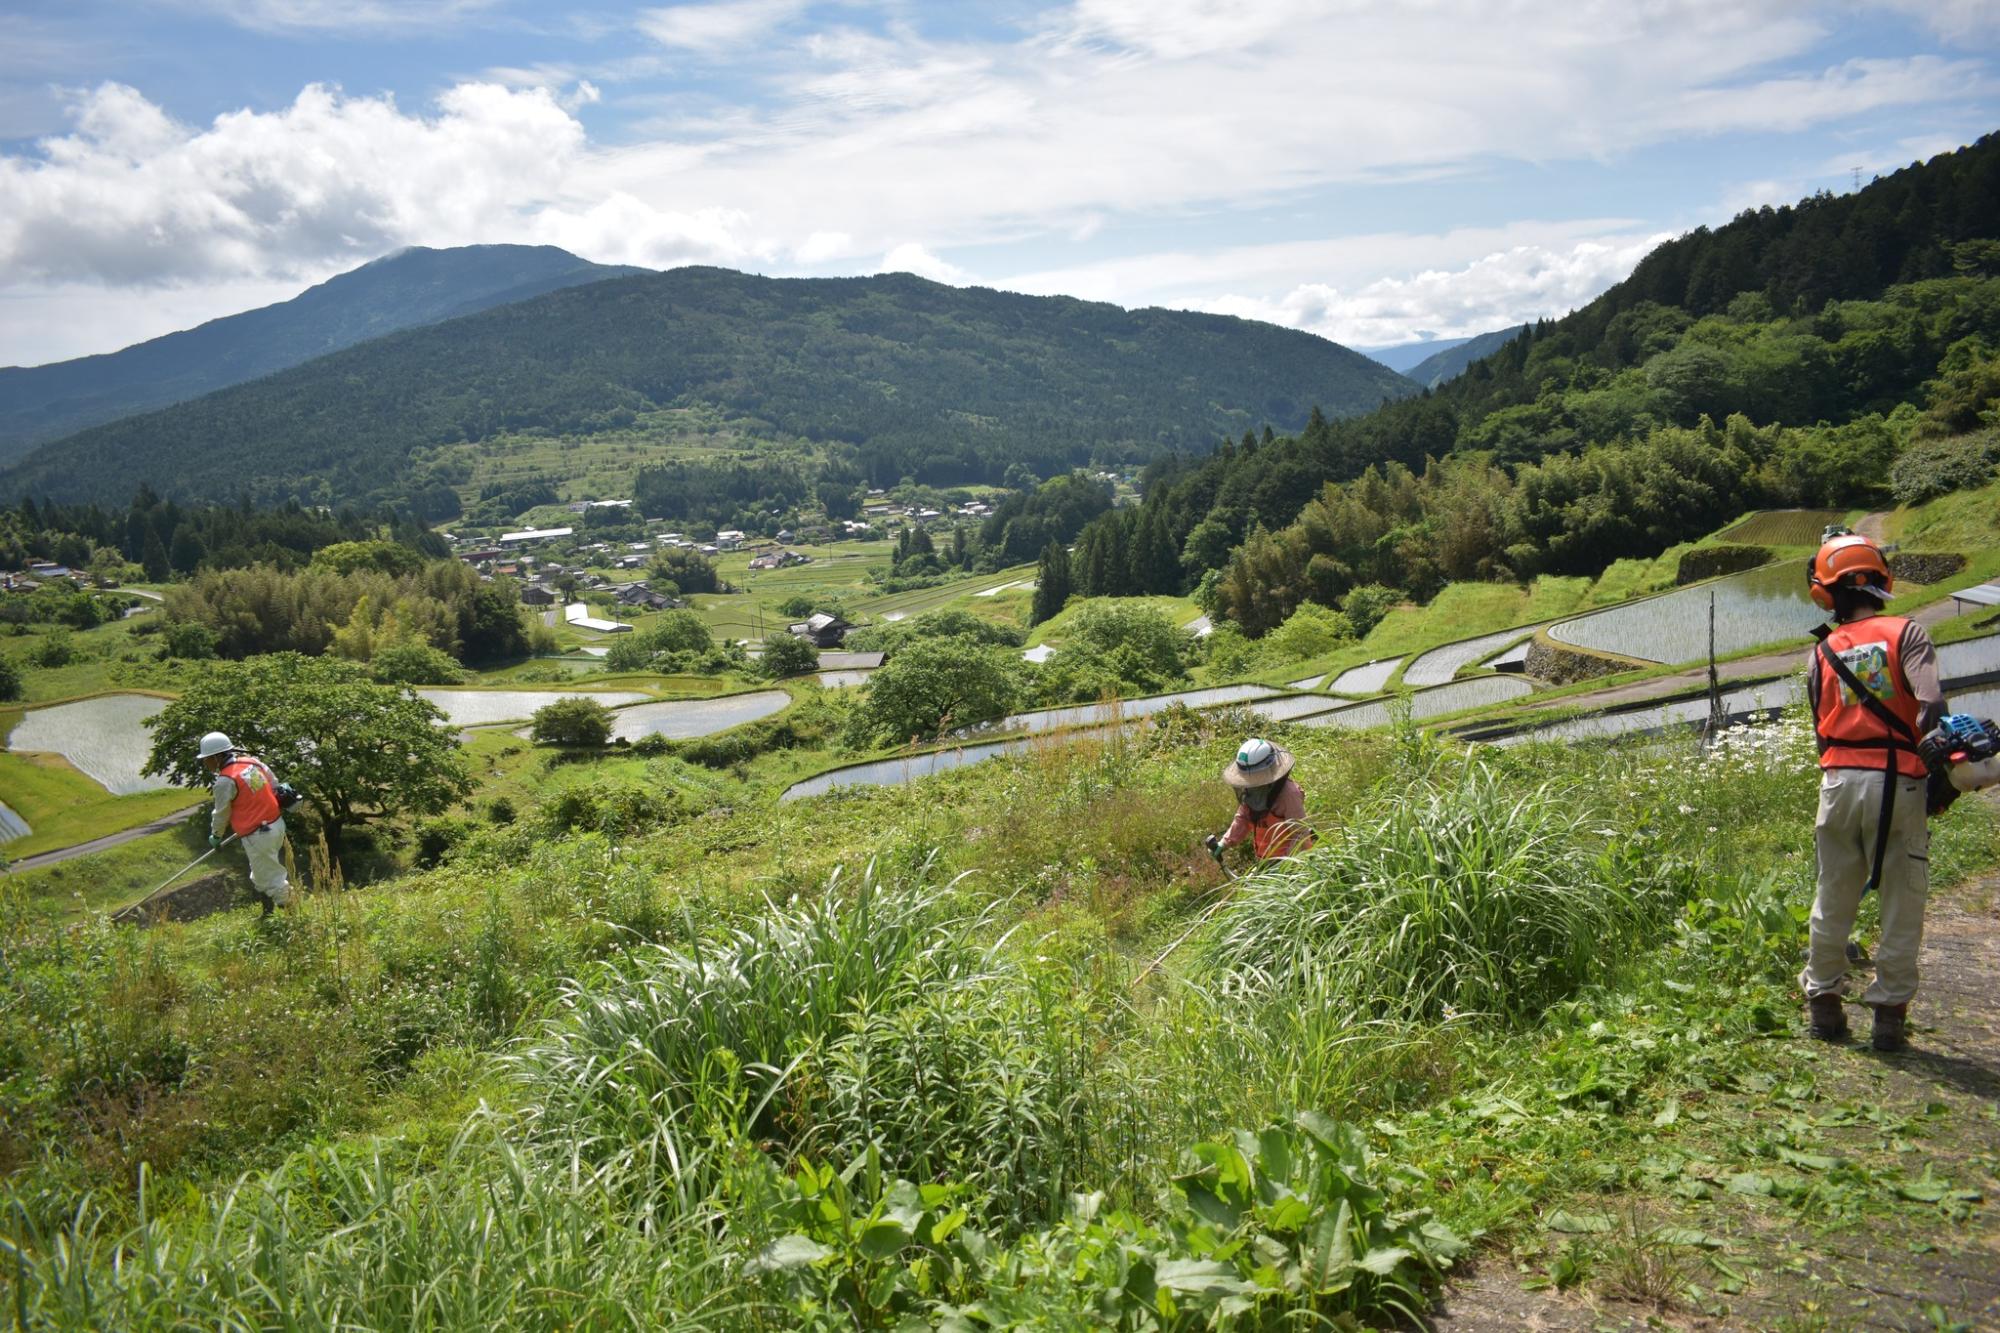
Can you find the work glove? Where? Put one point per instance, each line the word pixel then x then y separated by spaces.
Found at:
pixel 214 841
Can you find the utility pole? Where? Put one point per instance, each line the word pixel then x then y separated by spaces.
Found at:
pixel 1857 178
pixel 1715 716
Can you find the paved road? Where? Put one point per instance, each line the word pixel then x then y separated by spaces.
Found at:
pixel 160 825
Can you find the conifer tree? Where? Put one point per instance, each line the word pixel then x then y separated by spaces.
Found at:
pixel 1052 583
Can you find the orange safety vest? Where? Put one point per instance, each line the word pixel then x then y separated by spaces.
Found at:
pixel 1851 734
pixel 256 802
pixel 1272 835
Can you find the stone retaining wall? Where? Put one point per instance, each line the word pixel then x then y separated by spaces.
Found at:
pixel 1566 664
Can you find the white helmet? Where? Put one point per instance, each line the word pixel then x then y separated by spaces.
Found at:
pixel 1255 753
pixel 213 744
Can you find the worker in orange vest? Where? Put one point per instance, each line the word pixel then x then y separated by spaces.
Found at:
pixel 1271 808
pixel 1873 683
pixel 246 805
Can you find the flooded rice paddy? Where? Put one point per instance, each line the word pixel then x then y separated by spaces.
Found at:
pixel 1439 665
pixel 12 826
pixel 1763 606
pixel 1434 702
pixel 684 719
pixel 480 708
pixel 106 738
pixel 1371 678
pixel 1088 715
pixel 840 680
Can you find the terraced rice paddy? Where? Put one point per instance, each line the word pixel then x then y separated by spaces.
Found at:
pixel 1766 605
pixel 1738 702
pixel 1373 678
pixel 683 719
pixel 1439 665
pixel 840 680
pixel 1783 527
pixel 1309 683
pixel 106 738
pixel 480 708
pixel 12 826
pixel 890 772
pixel 1291 708
pixel 1090 715
pixel 1517 656
pixel 1433 702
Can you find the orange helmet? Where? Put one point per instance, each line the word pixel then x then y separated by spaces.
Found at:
pixel 1848 561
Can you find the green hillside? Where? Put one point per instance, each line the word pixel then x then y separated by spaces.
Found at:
pixel 405 290
pixel 1835 354
pixel 1435 369
pixel 896 375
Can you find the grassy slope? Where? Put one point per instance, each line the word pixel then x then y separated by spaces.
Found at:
pixel 374 1001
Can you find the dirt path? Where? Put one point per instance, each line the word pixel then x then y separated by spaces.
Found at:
pixel 160 825
pixel 1862 1248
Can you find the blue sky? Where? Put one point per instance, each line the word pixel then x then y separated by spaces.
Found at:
pixel 1373 172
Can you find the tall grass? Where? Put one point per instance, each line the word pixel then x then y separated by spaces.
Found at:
pixel 1468 896
pixel 894 1017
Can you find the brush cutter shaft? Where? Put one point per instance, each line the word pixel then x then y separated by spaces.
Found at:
pixel 192 864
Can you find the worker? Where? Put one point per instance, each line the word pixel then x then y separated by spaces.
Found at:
pixel 1271 808
pixel 246 805
pixel 1872 680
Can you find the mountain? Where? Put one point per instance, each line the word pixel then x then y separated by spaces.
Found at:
pixel 1402 356
pixel 1452 358
pixel 895 375
pixel 1788 359
pixel 404 290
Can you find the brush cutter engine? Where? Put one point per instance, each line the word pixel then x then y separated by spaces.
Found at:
pixel 1966 750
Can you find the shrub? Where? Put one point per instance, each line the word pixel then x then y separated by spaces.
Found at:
pixel 1930 468
pixel 575 720
pixel 1366 605
pixel 1472 896
pixel 1707 562
pixel 10 679
pixel 55 650
pixel 438 837
pixel 887 638
pixel 413 663
pixel 501 812
pixel 189 640
pixel 787 655
pixel 614 806
pixel 1311 631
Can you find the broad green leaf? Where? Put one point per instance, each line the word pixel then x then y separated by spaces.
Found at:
pixel 1383 1261
pixel 1749 1182
pixel 788 1252
pixel 881 1239
pixel 1198 1275
pixel 1577 1224
pixel 1687 1236
pixel 1669 1113
pixel 1808 1161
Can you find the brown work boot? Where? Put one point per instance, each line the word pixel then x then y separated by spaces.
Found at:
pixel 1826 1018
pixel 1892 1022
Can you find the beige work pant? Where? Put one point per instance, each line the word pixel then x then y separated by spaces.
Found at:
pixel 1850 806
pixel 265 851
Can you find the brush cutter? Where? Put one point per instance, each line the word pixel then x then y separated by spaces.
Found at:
pixel 1214 846
pixel 192 864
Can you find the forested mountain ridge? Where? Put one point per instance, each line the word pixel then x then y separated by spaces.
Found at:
pixel 910 377
pixel 1790 357
pixel 410 288
pixel 1453 361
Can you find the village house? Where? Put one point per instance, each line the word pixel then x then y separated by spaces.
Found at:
pixel 536 595
pixel 821 630
pixel 729 538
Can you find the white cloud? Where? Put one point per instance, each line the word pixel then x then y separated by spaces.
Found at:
pixel 1967 22
pixel 338 15
pixel 713 28
pixel 1492 292
pixel 909 257
pixel 132 197
pixel 822 246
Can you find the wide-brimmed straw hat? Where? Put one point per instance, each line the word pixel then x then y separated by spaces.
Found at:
pixel 1258 764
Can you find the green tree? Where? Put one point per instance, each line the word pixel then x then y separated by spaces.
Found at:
pixel 153 558
pixel 384 557
pixel 359 751
pixel 187 639
pixel 413 662
pixel 787 655
pixel 496 633
pixel 1366 605
pixel 10 678
pixel 933 686
pixel 1052 583
pixel 188 551
pixel 576 720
